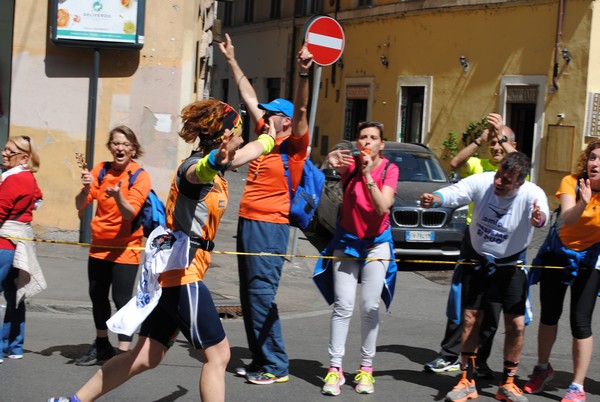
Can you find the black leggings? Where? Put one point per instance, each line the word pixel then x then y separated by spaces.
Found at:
pixel 102 274
pixel 584 293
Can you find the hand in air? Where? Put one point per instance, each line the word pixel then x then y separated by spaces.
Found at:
pixel 86 178
pixel 227 48
pixel 114 191
pixel 228 147
pixel 585 190
pixel 537 216
pixel 340 158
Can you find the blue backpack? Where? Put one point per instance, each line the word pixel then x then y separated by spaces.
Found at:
pixel 303 202
pixel 151 215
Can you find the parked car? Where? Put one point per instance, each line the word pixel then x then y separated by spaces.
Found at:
pixel 416 231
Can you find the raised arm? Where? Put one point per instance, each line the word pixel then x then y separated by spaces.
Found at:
pixel 244 86
pixel 502 133
pixel 571 208
pixel 299 121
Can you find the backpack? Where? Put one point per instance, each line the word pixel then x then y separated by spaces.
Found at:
pixel 153 212
pixel 303 202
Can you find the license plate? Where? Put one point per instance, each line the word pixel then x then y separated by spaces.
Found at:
pixel 420 236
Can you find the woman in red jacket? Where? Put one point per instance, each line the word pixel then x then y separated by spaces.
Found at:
pixel 19 196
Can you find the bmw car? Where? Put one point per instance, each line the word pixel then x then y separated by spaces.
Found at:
pixel 416 231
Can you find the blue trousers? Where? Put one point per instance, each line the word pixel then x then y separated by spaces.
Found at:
pixel 259 281
pixel 6 260
pixel 13 329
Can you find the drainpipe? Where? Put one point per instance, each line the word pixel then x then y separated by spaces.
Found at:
pixel 559 24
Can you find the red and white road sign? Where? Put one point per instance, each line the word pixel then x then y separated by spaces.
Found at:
pixel 325 40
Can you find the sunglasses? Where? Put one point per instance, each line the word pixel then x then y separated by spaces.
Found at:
pixel 271 114
pixel 9 153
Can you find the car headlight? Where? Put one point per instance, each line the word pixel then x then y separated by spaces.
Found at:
pixel 460 213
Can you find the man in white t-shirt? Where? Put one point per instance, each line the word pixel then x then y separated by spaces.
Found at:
pixel 506 210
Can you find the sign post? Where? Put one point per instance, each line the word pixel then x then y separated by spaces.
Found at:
pixel 325 39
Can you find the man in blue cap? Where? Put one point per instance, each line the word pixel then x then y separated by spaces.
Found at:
pixel 264 225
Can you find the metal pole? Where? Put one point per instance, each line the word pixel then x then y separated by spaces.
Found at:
pixel 86 219
pixel 311 126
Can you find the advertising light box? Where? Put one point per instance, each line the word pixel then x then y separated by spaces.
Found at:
pixel 98 23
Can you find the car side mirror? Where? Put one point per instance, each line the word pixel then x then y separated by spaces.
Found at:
pixel 331 174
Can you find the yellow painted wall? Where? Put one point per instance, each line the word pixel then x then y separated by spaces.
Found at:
pixel 500 40
pixel 143 89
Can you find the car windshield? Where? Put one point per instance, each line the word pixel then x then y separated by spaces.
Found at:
pixel 417 166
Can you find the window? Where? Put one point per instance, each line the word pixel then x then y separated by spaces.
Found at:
pixel 228 14
pixel 225 90
pixel 273 88
pixel 308 7
pixel 275 9
pixel 414 109
pixel 365 3
pixel 249 11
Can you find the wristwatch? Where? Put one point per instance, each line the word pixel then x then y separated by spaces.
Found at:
pixel 503 139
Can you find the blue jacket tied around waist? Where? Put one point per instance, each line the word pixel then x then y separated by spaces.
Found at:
pixel 357 248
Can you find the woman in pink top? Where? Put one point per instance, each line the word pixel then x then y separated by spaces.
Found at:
pixel 363 232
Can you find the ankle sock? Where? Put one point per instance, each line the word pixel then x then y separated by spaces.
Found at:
pixel 575 385
pixel 543 366
pixel 367 369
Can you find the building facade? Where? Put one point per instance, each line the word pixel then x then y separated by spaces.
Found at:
pixel 426 68
pixel 46 90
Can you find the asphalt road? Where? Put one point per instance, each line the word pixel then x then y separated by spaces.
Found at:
pixel 60 329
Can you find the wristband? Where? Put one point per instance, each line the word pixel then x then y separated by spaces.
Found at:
pixel 212 162
pixel 203 170
pixel 267 142
pixel 476 143
pixel 303 75
pixel 435 204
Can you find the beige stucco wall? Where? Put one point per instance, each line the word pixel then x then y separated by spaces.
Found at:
pixel 143 89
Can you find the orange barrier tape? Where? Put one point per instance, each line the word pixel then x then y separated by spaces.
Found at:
pixel 398 260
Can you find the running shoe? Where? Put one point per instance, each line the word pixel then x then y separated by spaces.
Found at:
pixel 539 379
pixel 509 392
pixel 463 391
pixel 96 355
pixel 574 395
pixel 365 381
pixel 262 378
pixel 60 399
pixel 248 369
pixel 333 381
pixel 15 357
pixel 441 365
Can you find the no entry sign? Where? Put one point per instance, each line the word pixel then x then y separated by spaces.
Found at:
pixel 325 40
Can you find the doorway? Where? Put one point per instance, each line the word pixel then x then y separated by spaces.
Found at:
pixel 521 118
pixel 411 114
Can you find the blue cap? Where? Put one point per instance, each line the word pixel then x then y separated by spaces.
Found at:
pixel 279 106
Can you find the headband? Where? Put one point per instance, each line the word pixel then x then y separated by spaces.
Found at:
pixel 232 121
